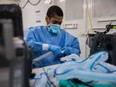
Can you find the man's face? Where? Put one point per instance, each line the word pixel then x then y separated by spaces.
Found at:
pixel 54 20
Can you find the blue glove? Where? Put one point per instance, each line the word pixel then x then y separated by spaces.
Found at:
pixel 67 50
pixel 55 49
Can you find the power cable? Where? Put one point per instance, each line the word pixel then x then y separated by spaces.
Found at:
pixel 28 1
pixel 25 4
pixel 89 17
pixel 46 74
pixel 34 3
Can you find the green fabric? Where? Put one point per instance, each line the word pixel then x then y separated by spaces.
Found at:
pixel 114 27
pixel 70 83
pixel 67 83
pixel 104 85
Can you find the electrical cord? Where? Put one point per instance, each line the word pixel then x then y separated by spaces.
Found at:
pixel 46 74
pixel 108 27
pixel 89 16
pixel 28 1
pixel 24 5
pixel 34 3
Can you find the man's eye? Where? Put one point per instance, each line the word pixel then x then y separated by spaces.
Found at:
pixel 60 23
pixel 55 22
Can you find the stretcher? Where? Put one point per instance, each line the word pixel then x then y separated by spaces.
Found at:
pixel 87 70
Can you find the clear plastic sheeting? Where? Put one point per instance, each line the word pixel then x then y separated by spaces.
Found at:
pixel 94 68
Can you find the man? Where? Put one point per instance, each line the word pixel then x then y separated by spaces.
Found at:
pixel 52 38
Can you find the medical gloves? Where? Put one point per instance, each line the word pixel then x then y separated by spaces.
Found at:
pixel 67 50
pixel 55 49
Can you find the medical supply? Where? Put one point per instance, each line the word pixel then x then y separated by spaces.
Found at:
pixel 44 56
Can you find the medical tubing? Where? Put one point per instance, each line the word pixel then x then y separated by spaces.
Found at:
pixel 42 56
pixel 45 73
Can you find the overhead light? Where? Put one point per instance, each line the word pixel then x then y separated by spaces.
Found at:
pixel 62 0
pixel 47 1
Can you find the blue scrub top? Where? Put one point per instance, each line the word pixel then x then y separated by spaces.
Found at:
pixel 39 35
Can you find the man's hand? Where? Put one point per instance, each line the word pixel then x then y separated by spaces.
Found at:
pixel 55 49
pixel 67 50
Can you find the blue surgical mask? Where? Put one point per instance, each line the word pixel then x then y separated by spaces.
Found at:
pixel 54 28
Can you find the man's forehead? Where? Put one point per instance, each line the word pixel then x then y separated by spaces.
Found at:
pixel 57 18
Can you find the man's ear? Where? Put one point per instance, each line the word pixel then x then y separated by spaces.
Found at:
pixel 47 19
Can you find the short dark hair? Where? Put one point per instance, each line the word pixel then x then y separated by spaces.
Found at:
pixel 54 10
